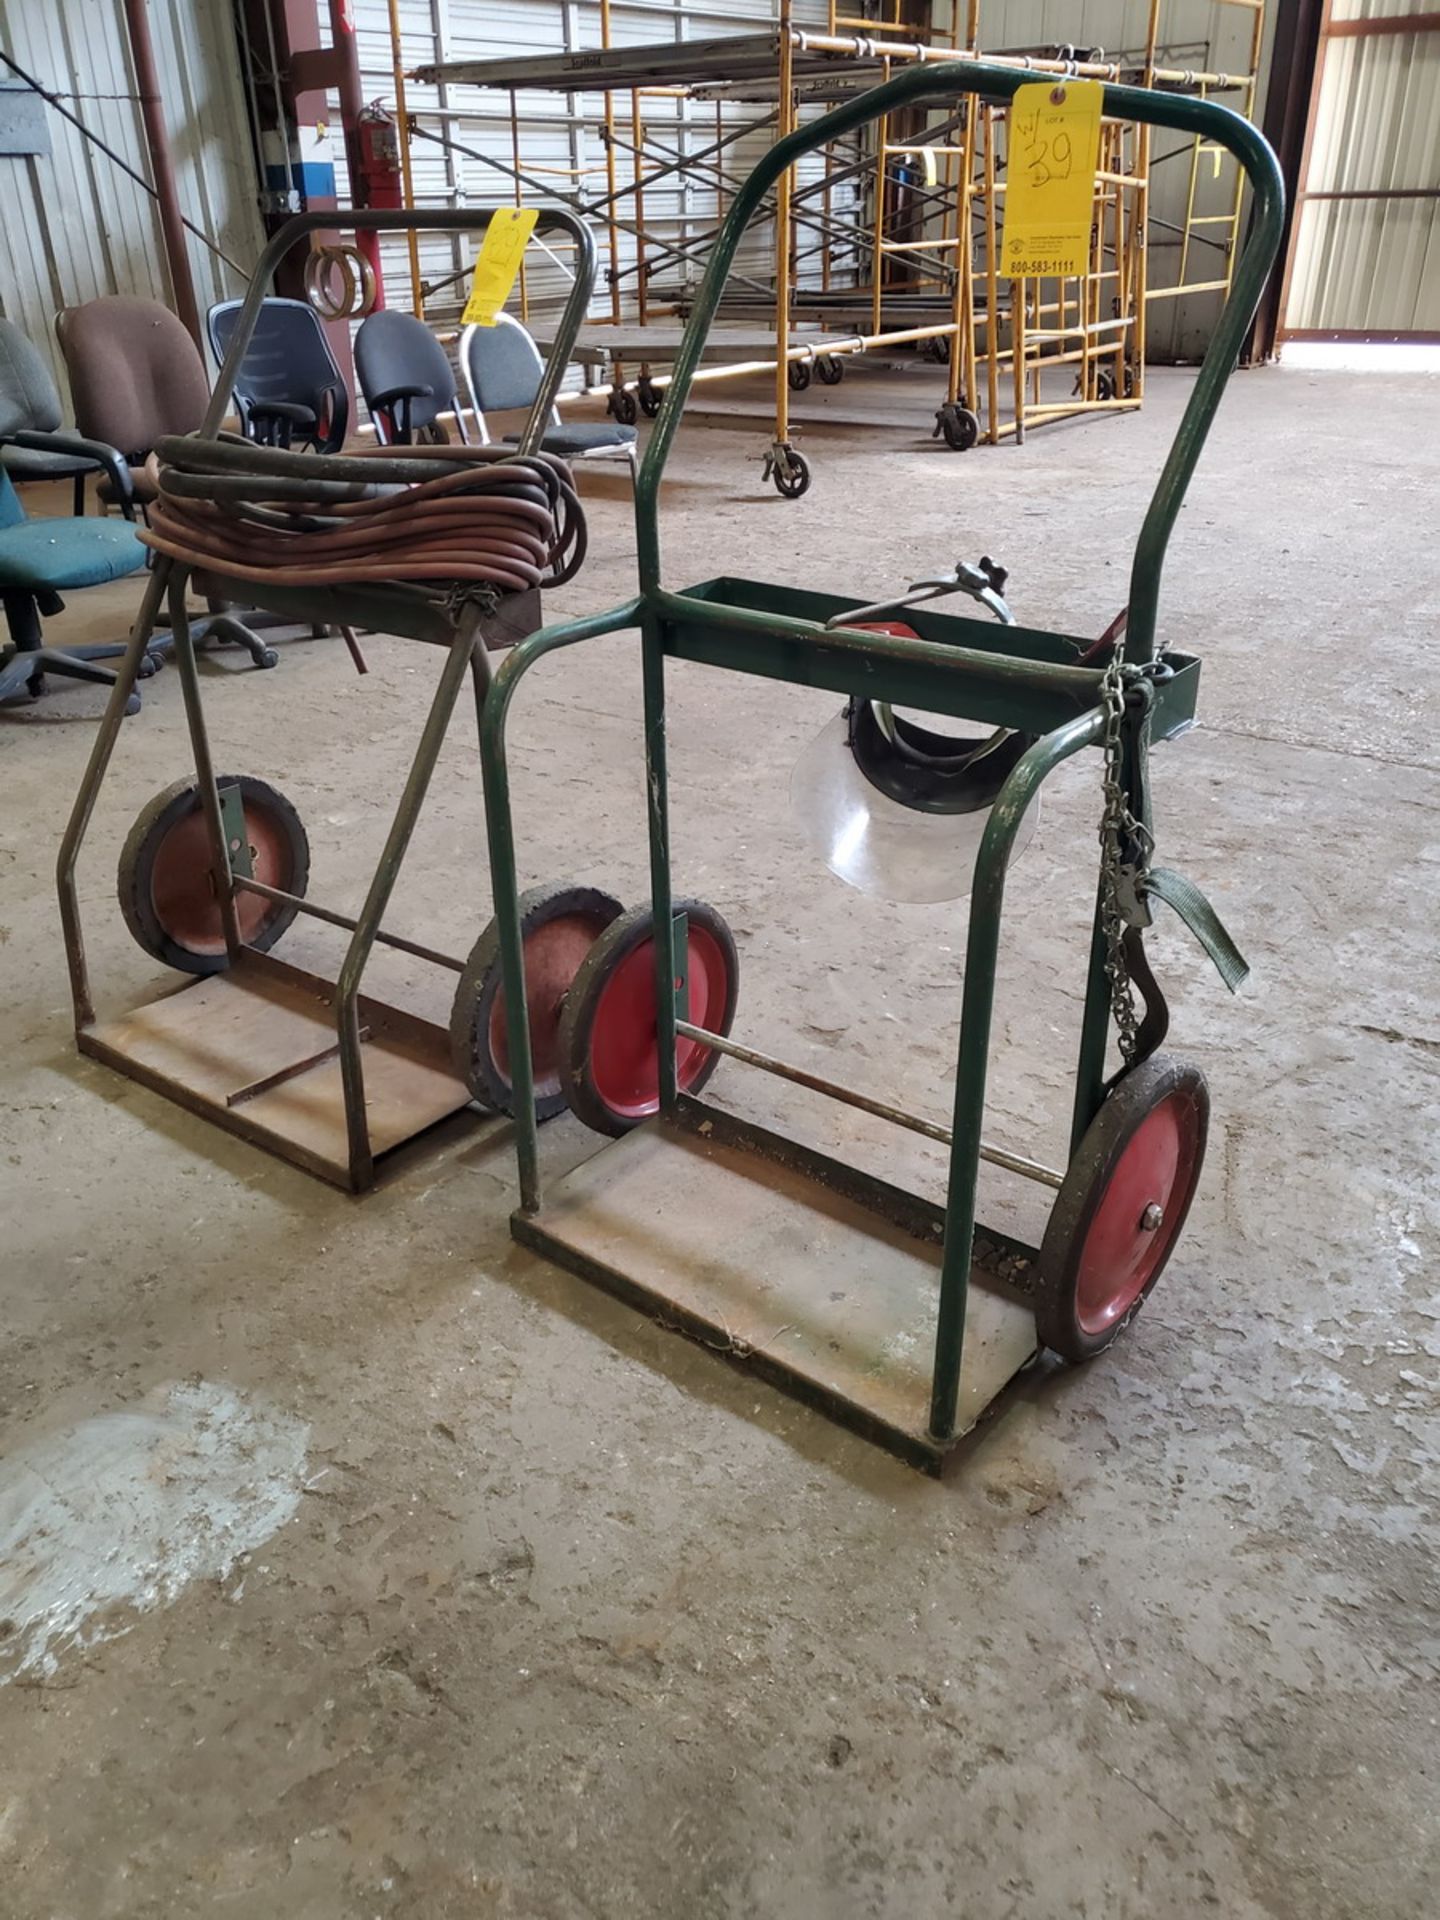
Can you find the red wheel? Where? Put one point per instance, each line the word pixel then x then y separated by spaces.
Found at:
pixel 558 927
pixel 166 879
pixel 1121 1211
pixel 609 1052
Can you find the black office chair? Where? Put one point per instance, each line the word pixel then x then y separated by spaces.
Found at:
pixel 288 392
pixel 407 379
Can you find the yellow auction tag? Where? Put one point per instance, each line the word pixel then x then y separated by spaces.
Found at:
pixel 497 264
pixel 1050 180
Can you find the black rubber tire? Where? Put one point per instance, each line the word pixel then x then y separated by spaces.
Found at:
pixel 830 368
pixel 796 483
pixel 623 406
pixel 651 399
pixel 582 1003
pixel 960 427
pixel 797 375
pixel 153 825
pixel 1134 1098
pixel 939 346
pixel 480 988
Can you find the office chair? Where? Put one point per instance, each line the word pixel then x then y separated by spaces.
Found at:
pixel 502 369
pixel 40 560
pixel 288 391
pixel 406 378
pixel 30 402
pixel 135 375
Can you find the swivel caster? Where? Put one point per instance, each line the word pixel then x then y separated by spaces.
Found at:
pixel 959 426
pixel 788 469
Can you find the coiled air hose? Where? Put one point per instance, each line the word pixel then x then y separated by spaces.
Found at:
pixel 436 518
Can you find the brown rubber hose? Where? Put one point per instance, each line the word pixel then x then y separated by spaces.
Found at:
pixel 454 514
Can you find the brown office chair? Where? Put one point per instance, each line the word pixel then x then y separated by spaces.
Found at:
pixel 135 375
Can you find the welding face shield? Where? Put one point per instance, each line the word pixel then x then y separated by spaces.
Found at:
pixel 896 806
pixel 896 802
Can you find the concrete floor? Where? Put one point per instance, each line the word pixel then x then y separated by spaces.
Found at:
pixel 567 1617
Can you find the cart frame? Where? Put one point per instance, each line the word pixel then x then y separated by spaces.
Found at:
pixel 1010 676
pixel 164 1046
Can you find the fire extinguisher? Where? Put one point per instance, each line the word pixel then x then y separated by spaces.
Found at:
pixel 380 156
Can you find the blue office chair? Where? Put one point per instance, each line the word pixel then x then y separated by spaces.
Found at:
pixel 288 392
pixel 40 560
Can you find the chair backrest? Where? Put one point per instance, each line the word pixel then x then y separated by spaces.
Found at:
pixel 288 359
pixel 135 373
pixel 395 350
pixel 502 366
pixel 29 397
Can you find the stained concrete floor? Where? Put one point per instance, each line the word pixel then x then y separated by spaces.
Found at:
pixel 572 1619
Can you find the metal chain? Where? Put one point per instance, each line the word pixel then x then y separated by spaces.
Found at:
pixel 1121 902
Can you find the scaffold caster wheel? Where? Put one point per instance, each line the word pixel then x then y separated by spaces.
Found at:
pixel 649 396
pixel 558 927
pixel 939 348
pixel 622 406
pixel 1104 385
pixel 1121 1210
pixel 1128 386
pixel 959 426
pixel 797 374
pixel 609 1051
pixel 166 879
pixel 831 369
pixel 792 478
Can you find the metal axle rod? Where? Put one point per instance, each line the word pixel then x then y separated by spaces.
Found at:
pixel 998 1156
pixel 242 883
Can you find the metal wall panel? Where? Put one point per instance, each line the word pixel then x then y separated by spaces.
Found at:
pixel 72 225
pixel 1368 261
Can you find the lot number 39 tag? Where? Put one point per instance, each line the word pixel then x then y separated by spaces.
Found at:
pixel 1050 181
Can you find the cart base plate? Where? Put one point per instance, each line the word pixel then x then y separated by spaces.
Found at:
pixel 770 1266
pixel 254 1049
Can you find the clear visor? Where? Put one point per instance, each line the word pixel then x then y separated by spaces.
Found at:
pixel 875 844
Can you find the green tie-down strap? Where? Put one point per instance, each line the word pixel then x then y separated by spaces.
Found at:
pixel 1182 896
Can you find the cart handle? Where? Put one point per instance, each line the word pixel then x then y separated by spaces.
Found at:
pixel 1178 112
pixel 410 220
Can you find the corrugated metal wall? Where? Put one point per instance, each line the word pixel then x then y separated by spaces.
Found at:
pixel 72 226
pixel 1369 262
